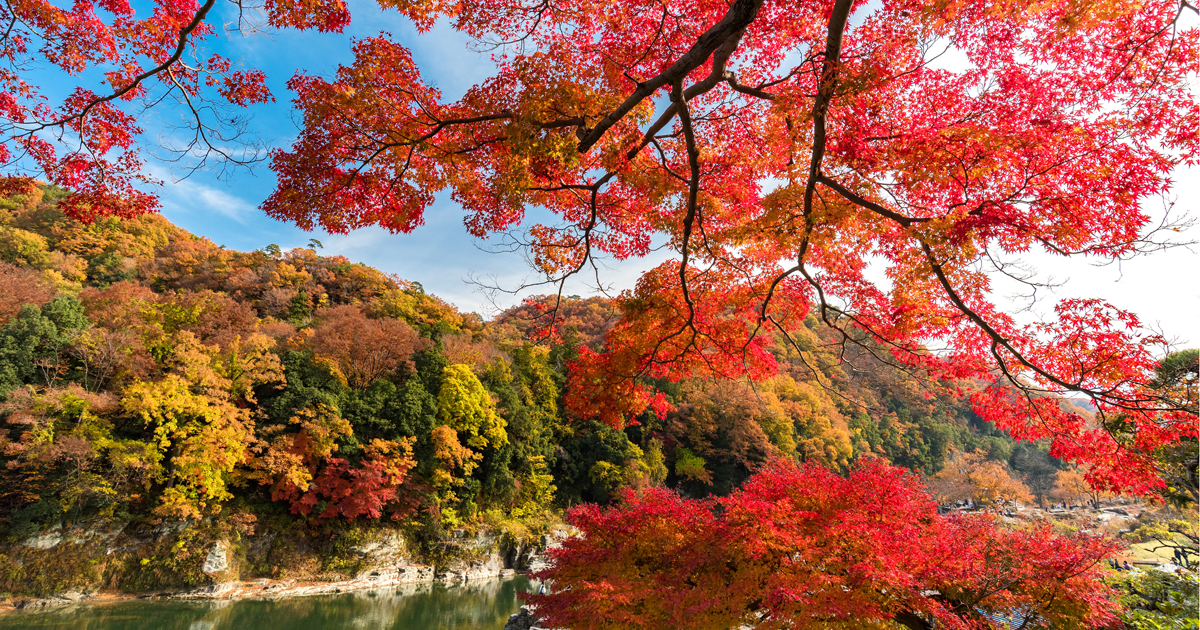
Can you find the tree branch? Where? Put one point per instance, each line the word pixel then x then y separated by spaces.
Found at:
pixel 828 83
pixel 740 15
pixel 179 48
pixel 869 205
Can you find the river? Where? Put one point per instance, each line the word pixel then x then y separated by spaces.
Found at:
pixel 479 605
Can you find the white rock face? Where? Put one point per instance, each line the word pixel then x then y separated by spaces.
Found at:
pixel 553 540
pixel 217 560
pixel 387 549
pixel 45 540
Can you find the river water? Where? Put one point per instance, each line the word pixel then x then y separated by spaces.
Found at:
pixel 479 605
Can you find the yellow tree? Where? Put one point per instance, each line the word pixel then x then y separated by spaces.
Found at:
pixel 821 432
pixel 1070 485
pixel 466 406
pixel 201 431
pixel 973 476
pixel 466 413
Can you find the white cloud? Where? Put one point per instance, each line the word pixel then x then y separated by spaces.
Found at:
pixel 191 197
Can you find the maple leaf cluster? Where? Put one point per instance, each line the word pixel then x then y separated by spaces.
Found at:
pixel 87 143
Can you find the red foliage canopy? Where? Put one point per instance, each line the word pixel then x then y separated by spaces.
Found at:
pixel 801 547
pixel 87 143
pixel 779 147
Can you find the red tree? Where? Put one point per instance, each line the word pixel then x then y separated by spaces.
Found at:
pixel 646 118
pixel 801 547
pixel 778 146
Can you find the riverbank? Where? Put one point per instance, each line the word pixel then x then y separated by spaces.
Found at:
pixel 265 589
pixel 97 565
pixel 483 604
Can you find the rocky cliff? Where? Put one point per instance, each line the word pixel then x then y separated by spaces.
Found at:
pixel 109 560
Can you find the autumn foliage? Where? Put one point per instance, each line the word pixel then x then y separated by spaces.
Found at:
pixel 364 349
pixel 776 147
pixel 779 149
pixel 973 476
pixel 802 547
pixel 185 377
pixel 1061 121
pixel 175 381
pixel 151 381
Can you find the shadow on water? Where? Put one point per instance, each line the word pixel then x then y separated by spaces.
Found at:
pixel 482 605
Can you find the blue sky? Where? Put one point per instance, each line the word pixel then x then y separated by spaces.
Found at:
pixel 440 255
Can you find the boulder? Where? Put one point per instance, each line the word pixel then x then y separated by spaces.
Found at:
pixel 73 596
pixel 522 620
pixel 45 540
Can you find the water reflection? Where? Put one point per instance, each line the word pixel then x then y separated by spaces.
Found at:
pixel 480 605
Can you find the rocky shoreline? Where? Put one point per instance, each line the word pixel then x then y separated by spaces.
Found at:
pixel 265 588
pixel 385 561
pixel 525 619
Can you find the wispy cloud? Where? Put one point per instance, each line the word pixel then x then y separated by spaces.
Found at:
pixel 194 198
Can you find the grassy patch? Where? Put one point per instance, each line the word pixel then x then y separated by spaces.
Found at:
pixel 44 572
pixel 172 562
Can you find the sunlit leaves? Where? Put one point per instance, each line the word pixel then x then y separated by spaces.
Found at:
pixel 466 407
pixel 206 437
pixel 801 547
pixel 388 177
pixel 706 334
pixel 1056 126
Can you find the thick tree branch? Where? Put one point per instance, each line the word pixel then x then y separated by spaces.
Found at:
pixel 693 152
pixel 869 205
pixel 829 78
pixel 718 74
pixel 740 15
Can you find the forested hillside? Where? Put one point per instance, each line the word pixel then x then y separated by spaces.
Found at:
pixel 149 374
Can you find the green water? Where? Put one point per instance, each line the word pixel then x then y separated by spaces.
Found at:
pixel 481 605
